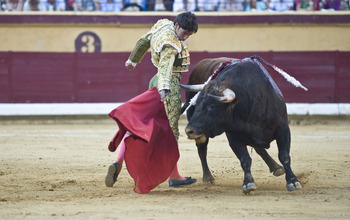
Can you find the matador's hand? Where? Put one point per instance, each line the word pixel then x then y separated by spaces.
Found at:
pixel 163 93
pixel 130 65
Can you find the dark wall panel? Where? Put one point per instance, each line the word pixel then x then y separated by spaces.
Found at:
pixel 316 71
pixel 42 77
pixel 343 78
pixel 5 80
pixel 102 77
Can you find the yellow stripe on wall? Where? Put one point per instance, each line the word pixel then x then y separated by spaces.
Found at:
pixel 61 37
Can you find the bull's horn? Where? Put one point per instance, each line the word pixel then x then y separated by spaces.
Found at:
pixel 228 96
pixel 192 88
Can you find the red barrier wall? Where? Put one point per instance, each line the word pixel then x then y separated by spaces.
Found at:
pixel 28 77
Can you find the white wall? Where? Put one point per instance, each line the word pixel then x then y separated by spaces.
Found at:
pixel 105 108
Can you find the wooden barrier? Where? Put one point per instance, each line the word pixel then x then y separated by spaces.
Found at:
pixel 79 58
pixel 102 77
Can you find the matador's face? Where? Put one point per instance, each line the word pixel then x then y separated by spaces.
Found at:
pixel 182 34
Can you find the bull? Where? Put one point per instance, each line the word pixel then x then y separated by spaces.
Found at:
pixel 244 103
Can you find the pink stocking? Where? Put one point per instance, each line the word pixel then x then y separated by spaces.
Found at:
pixel 120 157
pixel 175 174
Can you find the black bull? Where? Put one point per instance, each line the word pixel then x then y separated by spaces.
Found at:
pixel 256 116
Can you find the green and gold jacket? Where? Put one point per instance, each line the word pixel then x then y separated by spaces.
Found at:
pixel 169 54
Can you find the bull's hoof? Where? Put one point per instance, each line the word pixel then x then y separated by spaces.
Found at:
pixel 209 181
pixel 293 186
pixel 246 189
pixel 279 171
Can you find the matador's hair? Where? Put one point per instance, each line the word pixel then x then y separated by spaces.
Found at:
pixel 187 21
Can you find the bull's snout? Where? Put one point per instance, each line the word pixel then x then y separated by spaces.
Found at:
pixel 192 134
pixel 189 131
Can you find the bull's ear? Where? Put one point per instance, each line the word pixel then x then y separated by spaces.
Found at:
pixel 192 88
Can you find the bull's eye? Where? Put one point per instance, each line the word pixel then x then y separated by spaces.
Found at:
pixel 212 107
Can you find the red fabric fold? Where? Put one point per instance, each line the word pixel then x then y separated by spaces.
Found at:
pixel 151 151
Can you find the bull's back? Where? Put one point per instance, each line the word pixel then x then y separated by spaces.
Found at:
pixel 204 68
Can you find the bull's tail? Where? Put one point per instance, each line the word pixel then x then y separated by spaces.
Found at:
pixel 289 78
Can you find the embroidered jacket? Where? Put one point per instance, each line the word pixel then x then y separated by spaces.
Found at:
pixel 169 54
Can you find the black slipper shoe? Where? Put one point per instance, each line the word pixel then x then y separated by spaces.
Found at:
pixel 112 174
pixel 177 183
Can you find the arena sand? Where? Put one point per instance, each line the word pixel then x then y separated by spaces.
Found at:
pixel 54 168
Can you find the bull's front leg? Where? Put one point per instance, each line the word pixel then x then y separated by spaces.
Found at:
pixel 241 152
pixel 202 152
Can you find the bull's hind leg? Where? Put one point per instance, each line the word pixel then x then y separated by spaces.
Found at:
pixel 202 152
pixel 274 167
pixel 283 143
pixel 241 152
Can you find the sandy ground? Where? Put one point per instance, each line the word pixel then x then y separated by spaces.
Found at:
pixel 54 168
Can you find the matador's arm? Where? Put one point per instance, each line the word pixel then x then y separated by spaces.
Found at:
pixel 165 67
pixel 141 48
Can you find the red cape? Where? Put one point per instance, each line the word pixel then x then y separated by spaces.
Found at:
pixel 151 151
